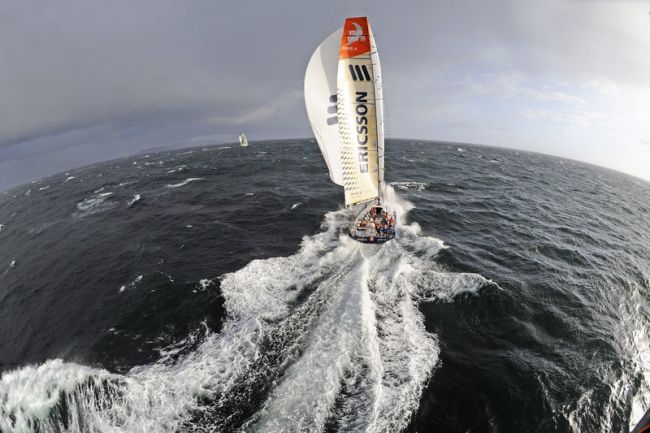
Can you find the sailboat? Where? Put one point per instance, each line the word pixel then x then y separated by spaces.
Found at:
pixel 344 100
pixel 243 141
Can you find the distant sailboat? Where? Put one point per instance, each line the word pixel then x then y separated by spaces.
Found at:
pixel 243 141
pixel 344 100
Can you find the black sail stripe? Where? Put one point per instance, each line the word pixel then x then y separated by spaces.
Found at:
pixel 354 76
pixel 359 73
pixel 365 72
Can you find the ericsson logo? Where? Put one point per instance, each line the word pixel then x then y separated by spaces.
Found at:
pixel 356 34
pixel 359 72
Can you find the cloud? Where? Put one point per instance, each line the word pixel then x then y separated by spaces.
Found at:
pixel 264 113
pixel 579 119
pixel 168 71
pixel 512 84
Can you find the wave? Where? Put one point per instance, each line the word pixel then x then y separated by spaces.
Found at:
pixel 11 266
pixel 634 334
pixel 94 204
pixel 179 169
pixel 132 284
pixel 136 198
pixel 331 334
pixel 185 182
pixel 417 186
pixel 625 388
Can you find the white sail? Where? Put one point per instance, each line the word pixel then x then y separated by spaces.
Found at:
pixel 320 101
pixel 360 116
pixel 243 141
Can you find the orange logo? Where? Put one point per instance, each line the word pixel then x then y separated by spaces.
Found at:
pixel 355 39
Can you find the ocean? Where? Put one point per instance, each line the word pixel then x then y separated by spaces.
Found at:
pixel 214 289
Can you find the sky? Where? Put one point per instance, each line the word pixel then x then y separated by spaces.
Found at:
pixel 82 82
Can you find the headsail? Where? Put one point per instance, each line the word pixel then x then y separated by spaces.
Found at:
pixel 358 108
pixel 320 100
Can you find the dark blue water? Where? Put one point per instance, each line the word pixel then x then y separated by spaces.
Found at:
pixel 214 289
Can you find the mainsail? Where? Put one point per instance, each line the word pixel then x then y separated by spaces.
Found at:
pixel 344 102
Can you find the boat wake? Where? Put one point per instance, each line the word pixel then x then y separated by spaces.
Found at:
pixel 328 338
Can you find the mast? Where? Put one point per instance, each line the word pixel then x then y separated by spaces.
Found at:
pixel 379 104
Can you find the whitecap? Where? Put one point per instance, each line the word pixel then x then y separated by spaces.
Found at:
pixel 136 198
pixel 11 266
pixel 185 182
pixel 137 280
pixel 94 204
pixel 295 205
pixel 416 186
pixel 205 283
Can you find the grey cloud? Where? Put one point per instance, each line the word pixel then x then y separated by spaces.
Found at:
pixel 210 68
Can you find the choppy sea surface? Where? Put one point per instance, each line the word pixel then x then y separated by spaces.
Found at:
pixel 214 289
